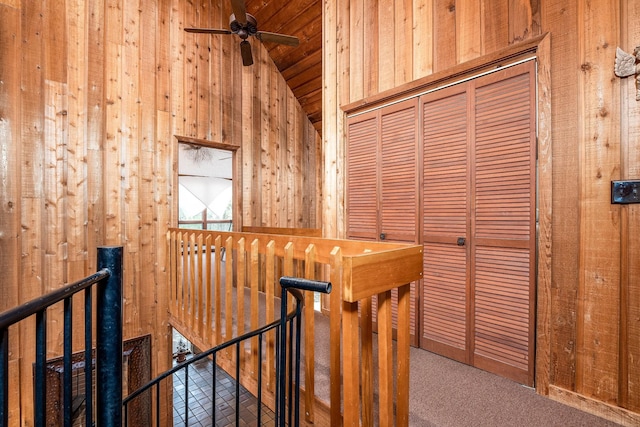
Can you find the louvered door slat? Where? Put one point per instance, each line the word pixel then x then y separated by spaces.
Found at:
pixel 398 186
pixel 362 218
pixel 504 206
pixel 445 172
pixel 398 173
pixel 382 193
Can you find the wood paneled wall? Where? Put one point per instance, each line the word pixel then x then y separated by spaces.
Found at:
pixel 91 96
pixel 589 335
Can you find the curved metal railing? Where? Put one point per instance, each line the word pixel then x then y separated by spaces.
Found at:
pixel 285 369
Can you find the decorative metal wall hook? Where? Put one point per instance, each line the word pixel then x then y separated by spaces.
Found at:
pixel 627 65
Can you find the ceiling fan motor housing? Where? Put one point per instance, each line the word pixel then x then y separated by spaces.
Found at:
pixel 249 28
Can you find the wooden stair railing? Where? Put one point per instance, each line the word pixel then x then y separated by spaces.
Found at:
pixel 213 272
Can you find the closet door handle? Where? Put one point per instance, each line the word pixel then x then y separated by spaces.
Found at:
pixel 461 241
pixel 383 236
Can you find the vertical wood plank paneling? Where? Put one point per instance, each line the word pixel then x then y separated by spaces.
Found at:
pixel 55 41
pixel 386 27
pixel 341 18
pixel 95 110
pixel 163 56
pixel 494 15
pixel 191 71
pixel 10 149
pixel 524 20
pixel 561 20
pixel 32 177
pixel 130 131
pixel 10 192
pixel 404 45
pixel 112 153
pixel 278 144
pixel 177 40
pixel 356 34
pixel 545 219
pixel 202 70
pixel 55 202
pixel 422 38
pixel 468 40
pixel 444 34
pixel 294 170
pixel 599 281
pixel 255 146
pixel 330 120
pixel 629 380
pixel 162 220
pixel 370 56
pixel 149 240
pixel 216 20
pixel 76 194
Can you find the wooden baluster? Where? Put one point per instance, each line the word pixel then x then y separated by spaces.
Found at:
pixel 385 359
pixel 173 272
pixel 183 283
pixel 270 315
pixel 200 254
pixel 217 294
pixel 228 300
pixel 192 281
pixel 366 332
pixel 335 302
pixel 351 363
pixel 403 343
pixel 240 287
pixel 309 334
pixel 255 288
pixel 209 290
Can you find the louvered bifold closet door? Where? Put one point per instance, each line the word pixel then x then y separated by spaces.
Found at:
pixel 362 177
pixel 503 240
pixel 398 185
pixel 445 221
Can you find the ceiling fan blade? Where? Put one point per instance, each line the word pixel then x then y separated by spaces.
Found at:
pixel 207 31
pixel 266 36
pixel 239 11
pixel 245 52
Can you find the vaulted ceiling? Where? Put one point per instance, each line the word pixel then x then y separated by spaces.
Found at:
pixel 300 66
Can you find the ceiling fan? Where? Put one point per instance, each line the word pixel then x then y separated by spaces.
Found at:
pixel 245 25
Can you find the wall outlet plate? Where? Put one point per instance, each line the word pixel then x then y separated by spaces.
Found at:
pixel 625 191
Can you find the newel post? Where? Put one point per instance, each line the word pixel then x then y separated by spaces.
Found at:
pixel 109 339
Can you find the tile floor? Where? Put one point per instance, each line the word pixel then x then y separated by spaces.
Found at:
pixel 201 410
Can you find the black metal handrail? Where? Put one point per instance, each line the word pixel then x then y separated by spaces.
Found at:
pixel 288 284
pixel 108 344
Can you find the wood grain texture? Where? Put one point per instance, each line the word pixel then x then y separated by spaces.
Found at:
pixel 561 21
pixel 422 38
pixel 629 381
pixel 545 219
pixel 468 40
pixel 599 151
